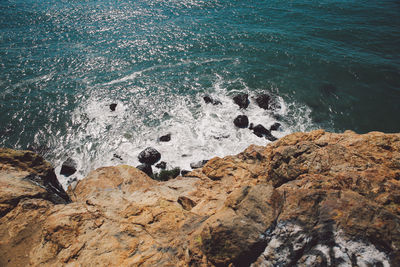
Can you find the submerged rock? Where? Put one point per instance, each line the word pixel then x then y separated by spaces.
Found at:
pixel 149 156
pixel 165 138
pixel 241 121
pixel 199 164
pixel 68 167
pixel 263 101
pixel 146 168
pixel 242 100
pixel 113 106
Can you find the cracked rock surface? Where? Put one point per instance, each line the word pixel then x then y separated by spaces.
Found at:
pixel 308 199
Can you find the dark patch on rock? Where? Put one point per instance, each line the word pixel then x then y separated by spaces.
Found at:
pixel 242 100
pixel 261 131
pixel 149 156
pixel 241 121
pixel 199 164
pixel 161 165
pixel 68 167
pixel 275 126
pixel 263 101
pixel 166 175
pixel 186 203
pixel 165 138
pixel 113 106
pixel 146 169
pixel 208 100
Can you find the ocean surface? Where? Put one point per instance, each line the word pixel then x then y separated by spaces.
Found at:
pixel 328 64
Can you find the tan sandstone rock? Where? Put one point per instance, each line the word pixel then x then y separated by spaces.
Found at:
pixel 308 199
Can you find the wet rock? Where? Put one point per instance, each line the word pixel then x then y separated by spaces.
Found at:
pixel 261 131
pixel 161 165
pixel 275 126
pixel 68 167
pixel 165 138
pixel 149 156
pixel 208 100
pixel 199 164
pixel 242 100
pixel 263 101
pixel 251 126
pixel 113 106
pixel 184 172
pixel 146 168
pixel 241 121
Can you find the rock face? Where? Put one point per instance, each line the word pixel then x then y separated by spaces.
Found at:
pixel 309 199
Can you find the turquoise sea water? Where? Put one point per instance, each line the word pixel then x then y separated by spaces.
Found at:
pixel 330 64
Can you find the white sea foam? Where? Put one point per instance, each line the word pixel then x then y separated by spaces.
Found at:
pixel 198 130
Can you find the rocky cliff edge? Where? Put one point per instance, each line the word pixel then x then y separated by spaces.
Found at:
pixel 308 199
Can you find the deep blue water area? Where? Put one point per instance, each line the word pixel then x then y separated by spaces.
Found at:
pixel 330 64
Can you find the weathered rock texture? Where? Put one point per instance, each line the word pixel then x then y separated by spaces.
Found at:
pixel 309 199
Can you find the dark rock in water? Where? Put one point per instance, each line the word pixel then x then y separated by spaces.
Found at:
pixel 241 121
pixel 242 100
pixel 165 138
pixel 251 126
pixel 149 156
pixel 146 169
pixel 199 164
pixel 219 137
pixel 117 156
pixel 162 165
pixel 261 131
pixel 209 100
pixel 113 106
pixel 166 175
pixel 263 101
pixel 275 126
pixel 68 167
pixel 184 172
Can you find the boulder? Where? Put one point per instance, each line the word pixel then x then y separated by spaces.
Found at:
pixel 242 100
pixel 241 121
pixel 149 156
pixel 199 164
pixel 166 175
pixel 275 126
pixel 161 165
pixel 263 101
pixel 68 167
pixel 113 106
pixel 146 168
pixel 208 100
pixel 165 138
pixel 261 131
